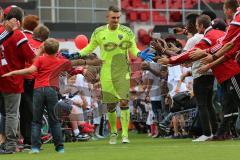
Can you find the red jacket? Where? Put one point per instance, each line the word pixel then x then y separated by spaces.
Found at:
pixel 211 37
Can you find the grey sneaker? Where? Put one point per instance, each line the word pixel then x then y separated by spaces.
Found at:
pixel 113 138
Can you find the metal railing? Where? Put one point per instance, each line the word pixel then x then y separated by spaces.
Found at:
pixel 55 11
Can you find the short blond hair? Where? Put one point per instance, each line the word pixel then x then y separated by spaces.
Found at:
pixel 51 46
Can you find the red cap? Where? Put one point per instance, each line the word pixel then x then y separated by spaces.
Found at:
pixel 7 10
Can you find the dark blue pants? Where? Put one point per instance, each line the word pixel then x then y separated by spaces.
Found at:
pixel 45 97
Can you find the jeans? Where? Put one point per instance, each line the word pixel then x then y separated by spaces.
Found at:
pixel 156 107
pixel 203 91
pixel 45 97
pixel 11 107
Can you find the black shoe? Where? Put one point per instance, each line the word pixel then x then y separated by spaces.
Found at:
pixel 6 152
pixel 218 138
pixel 82 137
pixel 2 146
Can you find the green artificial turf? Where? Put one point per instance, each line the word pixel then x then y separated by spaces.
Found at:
pixel 141 148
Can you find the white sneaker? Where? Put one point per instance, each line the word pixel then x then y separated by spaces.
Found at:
pixel 99 136
pixel 125 140
pixel 202 138
pixel 113 138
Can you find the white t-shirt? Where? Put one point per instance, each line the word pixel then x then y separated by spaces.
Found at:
pixel 155 92
pixel 83 86
pixel 174 75
pixel 191 42
pixel 139 88
pixel 188 80
pixel 78 99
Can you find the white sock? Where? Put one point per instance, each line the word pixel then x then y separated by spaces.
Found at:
pixel 76 132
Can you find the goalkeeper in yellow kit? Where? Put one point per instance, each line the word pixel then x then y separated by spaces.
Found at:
pixel 115 42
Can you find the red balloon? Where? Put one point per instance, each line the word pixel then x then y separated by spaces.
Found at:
pixel 81 41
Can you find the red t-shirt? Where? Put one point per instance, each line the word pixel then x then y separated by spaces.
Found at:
pixel 231 35
pixel 28 34
pixel 49 69
pixel 15 53
pixel 35 44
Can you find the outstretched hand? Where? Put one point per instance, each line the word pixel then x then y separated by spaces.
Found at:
pixel 204 69
pixel 146 55
pixel 95 62
pixel 7 74
pixel 207 59
pixel 196 54
pixel 90 74
pixel 164 60
pixel 172 47
pixel 157 46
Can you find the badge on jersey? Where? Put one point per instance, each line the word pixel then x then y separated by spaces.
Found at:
pixel 120 36
pixel 3 62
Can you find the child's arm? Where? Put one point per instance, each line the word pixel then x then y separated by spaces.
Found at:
pixel 28 70
pixel 95 62
pixel 84 105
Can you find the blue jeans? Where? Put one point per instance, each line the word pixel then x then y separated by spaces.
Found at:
pixel 156 108
pixel 45 97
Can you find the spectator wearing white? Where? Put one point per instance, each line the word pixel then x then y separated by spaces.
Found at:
pixel 153 89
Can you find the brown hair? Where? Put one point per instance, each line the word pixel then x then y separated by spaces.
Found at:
pixel 113 9
pixel 51 46
pixel 204 20
pixel 41 32
pixel 231 4
pixel 30 22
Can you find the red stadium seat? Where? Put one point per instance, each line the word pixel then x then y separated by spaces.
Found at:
pixel 157 19
pixel 154 3
pixel 135 3
pixel 175 16
pixel 144 16
pixel 133 16
pixel 125 4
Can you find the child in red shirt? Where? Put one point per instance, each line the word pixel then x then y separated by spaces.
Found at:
pixel 48 68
